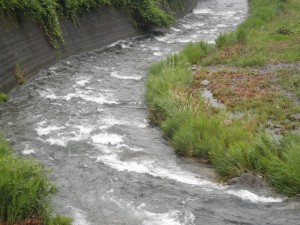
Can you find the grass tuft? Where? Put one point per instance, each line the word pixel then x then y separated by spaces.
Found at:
pixel 3 97
pixel 25 191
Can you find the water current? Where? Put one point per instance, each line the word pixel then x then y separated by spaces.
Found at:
pixel 86 119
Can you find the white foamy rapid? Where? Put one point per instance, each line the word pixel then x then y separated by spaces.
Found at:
pixel 28 150
pixel 249 196
pixel 62 135
pixel 202 11
pixel 173 217
pixel 118 75
pixel 78 216
pixel 110 121
pixel 47 130
pixel 86 95
pixel 105 138
pixel 82 82
pixel 150 167
pixel 125 44
pixel 47 94
pixel 89 96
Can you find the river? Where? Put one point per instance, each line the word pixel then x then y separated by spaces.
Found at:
pixel 86 119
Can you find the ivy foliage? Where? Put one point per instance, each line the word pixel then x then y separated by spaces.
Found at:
pixel 47 12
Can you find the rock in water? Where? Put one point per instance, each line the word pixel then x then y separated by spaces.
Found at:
pixel 247 180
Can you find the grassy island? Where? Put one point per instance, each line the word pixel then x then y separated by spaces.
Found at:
pixel 255 73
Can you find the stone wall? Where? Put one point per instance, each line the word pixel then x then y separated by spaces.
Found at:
pixel 27 46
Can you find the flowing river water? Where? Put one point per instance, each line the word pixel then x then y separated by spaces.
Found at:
pixel 86 119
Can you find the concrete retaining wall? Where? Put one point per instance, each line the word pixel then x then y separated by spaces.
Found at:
pixel 27 46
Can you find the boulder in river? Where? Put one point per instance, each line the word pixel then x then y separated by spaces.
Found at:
pixel 247 180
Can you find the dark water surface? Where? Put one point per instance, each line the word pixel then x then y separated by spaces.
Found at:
pixel 86 119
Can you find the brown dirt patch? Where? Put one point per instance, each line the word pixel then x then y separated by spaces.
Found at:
pixel 232 87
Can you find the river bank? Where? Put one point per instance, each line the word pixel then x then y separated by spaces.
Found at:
pixel 253 74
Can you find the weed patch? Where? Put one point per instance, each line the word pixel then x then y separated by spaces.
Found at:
pixel 20 75
pixel 3 97
pixel 25 191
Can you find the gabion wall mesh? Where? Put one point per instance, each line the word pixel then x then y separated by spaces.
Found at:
pixel 27 46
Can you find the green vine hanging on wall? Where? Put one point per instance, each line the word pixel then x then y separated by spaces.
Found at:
pixel 47 12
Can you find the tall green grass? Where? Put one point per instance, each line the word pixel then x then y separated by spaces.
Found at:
pixel 197 51
pixel 25 190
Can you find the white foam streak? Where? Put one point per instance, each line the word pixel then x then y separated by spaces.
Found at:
pixel 119 146
pixel 115 74
pixel 226 13
pixel 82 82
pixel 84 129
pixel 123 43
pixel 47 130
pixel 100 99
pixel 175 29
pixel 59 142
pixel 106 138
pixel 113 161
pixel 150 168
pixel 158 54
pixel 203 11
pixel 173 217
pixel 249 196
pixel 111 121
pixel 48 94
pixel 28 152
pixel 79 217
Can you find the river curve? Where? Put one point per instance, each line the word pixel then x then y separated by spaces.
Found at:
pixel 86 119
